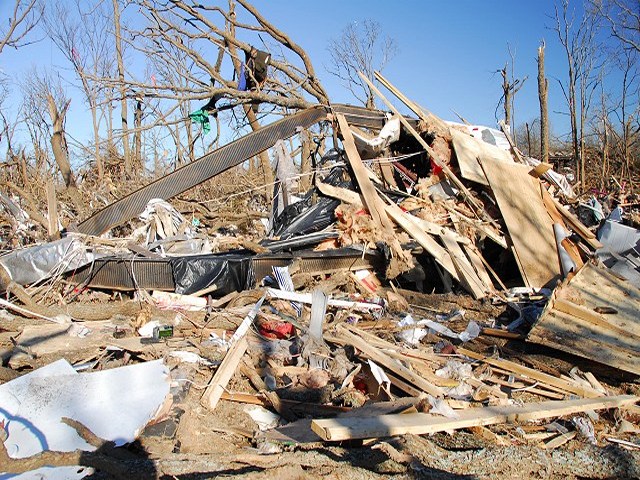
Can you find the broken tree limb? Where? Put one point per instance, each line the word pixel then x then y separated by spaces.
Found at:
pixel 107 458
pixel 337 429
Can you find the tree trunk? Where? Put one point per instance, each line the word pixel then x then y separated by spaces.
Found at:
pixel 265 164
pixel 543 86
pixel 179 157
pixel 58 143
pixel 573 116
pixel 506 91
pixel 137 123
pixel 191 142
pixel 583 121
pixel 96 140
pixel 123 90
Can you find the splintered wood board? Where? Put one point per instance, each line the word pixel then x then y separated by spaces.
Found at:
pixel 530 226
pixel 571 324
pixel 468 275
pixel 338 429
pixel 468 149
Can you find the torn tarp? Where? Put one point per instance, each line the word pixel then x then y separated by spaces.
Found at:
pixel 223 274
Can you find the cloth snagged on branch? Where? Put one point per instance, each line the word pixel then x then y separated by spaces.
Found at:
pixel 201 117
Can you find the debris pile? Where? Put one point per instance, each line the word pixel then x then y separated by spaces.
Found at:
pixel 411 290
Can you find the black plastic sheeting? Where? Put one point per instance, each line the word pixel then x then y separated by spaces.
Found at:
pixel 305 217
pixel 228 272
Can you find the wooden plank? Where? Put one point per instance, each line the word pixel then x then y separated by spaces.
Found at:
pixel 423 114
pixel 590 316
pixel 571 334
pixel 387 175
pixel 338 429
pixel 577 226
pixel 597 287
pixel 523 387
pixel 487 434
pixel 372 201
pixel 405 221
pixel 488 230
pixel 478 265
pixel 527 372
pixel 559 440
pixel 468 277
pixel 225 371
pixel 52 211
pixel 530 226
pixel 468 149
pixel 423 370
pixel 384 360
pixel 407 388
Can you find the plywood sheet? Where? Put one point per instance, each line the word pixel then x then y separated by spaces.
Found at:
pixel 572 321
pixel 469 149
pixel 530 226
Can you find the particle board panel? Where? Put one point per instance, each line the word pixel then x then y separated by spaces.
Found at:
pixel 530 226
pixel 468 149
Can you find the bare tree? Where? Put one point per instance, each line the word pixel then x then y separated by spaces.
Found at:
pixel 123 88
pixel 82 35
pixel 628 108
pixel 43 93
pixel 510 87
pixel 578 42
pixel 361 47
pixel 25 15
pixel 543 88
pixel 623 19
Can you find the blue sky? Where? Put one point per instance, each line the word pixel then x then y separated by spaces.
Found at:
pixel 449 52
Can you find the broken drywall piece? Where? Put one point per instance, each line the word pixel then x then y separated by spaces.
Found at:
pixel 33 405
